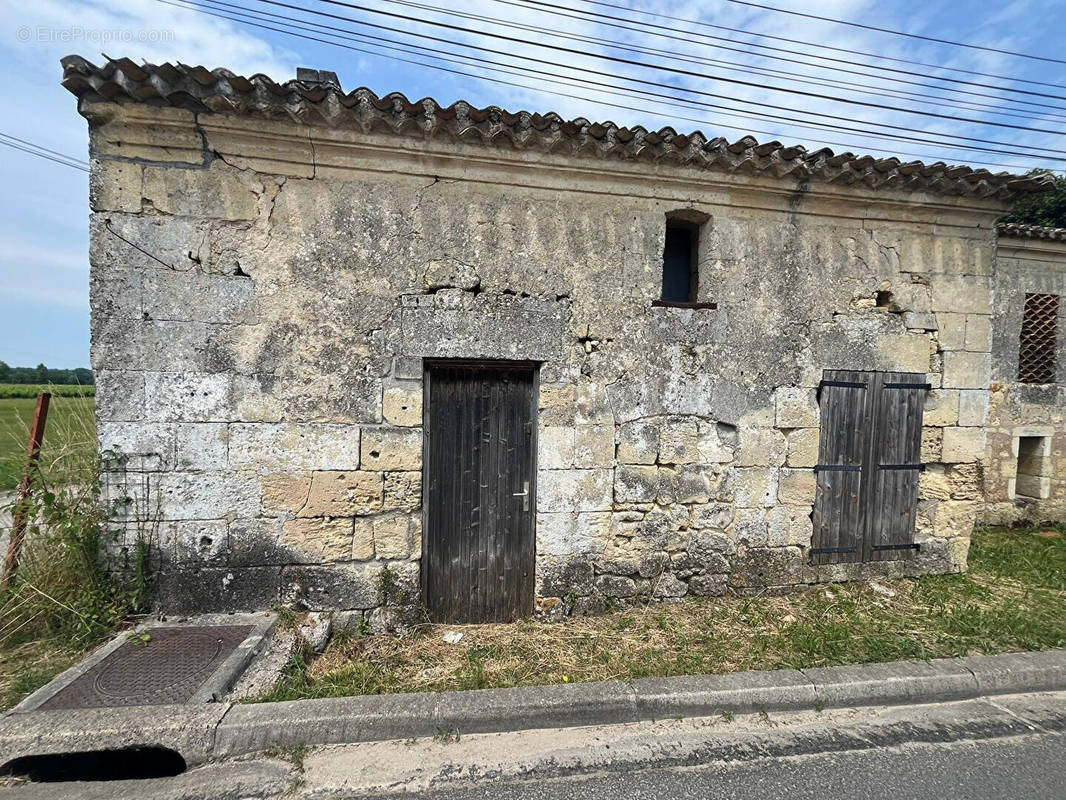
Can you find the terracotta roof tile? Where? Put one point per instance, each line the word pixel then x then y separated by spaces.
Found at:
pixel 222 92
pixel 1017 230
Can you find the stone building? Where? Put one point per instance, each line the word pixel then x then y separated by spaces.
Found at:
pixel 1025 476
pixel 362 353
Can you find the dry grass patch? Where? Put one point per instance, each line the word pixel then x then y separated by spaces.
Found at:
pixel 1014 598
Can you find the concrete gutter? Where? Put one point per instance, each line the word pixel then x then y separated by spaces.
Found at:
pixel 216 730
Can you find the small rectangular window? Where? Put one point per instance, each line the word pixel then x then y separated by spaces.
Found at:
pixel 1034 467
pixel 680 280
pixel 1037 353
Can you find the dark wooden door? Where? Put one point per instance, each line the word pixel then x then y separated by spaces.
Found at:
pixel 868 465
pixel 479 474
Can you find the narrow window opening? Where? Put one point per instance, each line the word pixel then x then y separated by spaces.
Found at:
pixel 680 276
pixel 1037 350
pixel 1034 467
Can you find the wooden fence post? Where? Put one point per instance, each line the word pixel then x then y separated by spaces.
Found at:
pixel 33 453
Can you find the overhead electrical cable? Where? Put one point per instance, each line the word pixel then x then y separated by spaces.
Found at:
pixel 613 21
pixel 644 65
pixel 795 77
pixel 897 33
pixel 805 43
pixel 42 152
pixel 494 66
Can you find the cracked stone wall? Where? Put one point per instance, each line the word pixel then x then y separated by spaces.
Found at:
pixel 1018 410
pixel 260 319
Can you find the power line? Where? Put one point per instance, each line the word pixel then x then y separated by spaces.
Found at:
pixel 656 84
pixel 611 20
pixel 897 33
pixel 761 35
pixel 645 65
pixel 494 66
pixel 796 77
pixel 42 152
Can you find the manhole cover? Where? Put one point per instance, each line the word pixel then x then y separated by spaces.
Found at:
pixel 168 668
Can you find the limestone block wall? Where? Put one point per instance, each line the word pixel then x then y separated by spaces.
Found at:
pixel 1038 266
pixel 260 316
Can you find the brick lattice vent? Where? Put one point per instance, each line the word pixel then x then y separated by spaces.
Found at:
pixel 1036 361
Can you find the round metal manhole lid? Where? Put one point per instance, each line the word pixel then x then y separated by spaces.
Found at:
pixel 157 665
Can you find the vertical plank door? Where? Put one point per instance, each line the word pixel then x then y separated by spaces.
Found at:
pixel 479 477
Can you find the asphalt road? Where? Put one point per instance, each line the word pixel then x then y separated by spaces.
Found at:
pixel 993 769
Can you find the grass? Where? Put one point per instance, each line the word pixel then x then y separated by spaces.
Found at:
pixel 69 433
pixel 1013 598
pixel 70 592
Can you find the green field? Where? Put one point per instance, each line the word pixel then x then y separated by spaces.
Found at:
pixel 69 435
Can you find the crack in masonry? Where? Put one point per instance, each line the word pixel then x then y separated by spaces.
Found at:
pixel 314 157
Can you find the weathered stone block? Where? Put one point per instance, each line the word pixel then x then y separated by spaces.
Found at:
pixel 978 333
pixel 391 449
pixel 403 491
pixel 750 527
pixel 712 515
pixel 636 484
pixel 941 407
pixel 363 539
pixel 795 408
pixel 284 493
pixel 593 446
pixel 973 407
pixel 202 445
pixel 392 536
pixel 555 447
pixel 343 494
pixel 115 186
pixel 789 525
pixel 638 443
pixel 200 541
pixel 119 395
pixel 216 193
pixel 932 444
pixel 319 540
pixel 205 495
pixel 962 295
pixel 616 586
pixel 401 405
pixel 951 330
pixel 200 297
pixel 678 441
pixel 187 396
pixel 802 447
pixel 294 446
pixel 338 586
pixel 963 445
pixel 148 446
pixel 925 321
pixel 574 490
pixel 761 447
pixel 797 486
pixel 967 370
pixel 708 585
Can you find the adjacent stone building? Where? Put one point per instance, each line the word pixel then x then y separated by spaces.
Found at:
pixel 1025 477
pixel 362 353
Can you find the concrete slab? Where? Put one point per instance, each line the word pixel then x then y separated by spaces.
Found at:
pixel 735 693
pixel 188 730
pixel 106 678
pixel 894 682
pixel 1018 672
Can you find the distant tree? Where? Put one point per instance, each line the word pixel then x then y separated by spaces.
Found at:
pixel 42 373
pixel 5 372
pixel 1046 208
pixel 83 376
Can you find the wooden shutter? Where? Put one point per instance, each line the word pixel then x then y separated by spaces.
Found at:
pixel 895 464
pixel 868 465
pixel 842 446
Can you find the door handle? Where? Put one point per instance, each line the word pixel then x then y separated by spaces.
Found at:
pixel 524 494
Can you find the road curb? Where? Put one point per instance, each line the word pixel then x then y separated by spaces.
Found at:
pixel 214 731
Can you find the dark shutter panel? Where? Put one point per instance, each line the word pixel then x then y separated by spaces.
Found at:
pixel 896 464
pixel 838 511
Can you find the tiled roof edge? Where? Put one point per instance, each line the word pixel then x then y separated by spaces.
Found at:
pixel 1017 230
pixel 223 92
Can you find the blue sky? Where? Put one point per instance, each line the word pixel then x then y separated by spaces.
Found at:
pixel 44 313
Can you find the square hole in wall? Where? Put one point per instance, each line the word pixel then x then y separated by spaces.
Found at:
pixel 1034 467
